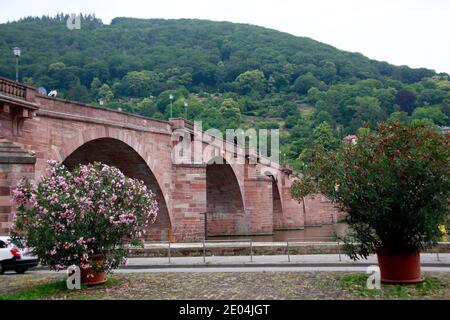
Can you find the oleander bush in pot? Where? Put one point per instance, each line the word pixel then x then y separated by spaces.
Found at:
pixel 394 185
pixel 83 217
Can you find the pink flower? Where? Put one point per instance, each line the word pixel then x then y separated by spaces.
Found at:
pixel 85 266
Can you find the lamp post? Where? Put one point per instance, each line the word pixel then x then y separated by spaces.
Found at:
pixel 171 99
pixel 16 52
pixel 185 109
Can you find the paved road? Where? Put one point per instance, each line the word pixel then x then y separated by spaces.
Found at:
pixel 248 270
pixel 299 263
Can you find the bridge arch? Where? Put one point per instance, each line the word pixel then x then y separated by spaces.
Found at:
pixel 117 153
pixel 225 201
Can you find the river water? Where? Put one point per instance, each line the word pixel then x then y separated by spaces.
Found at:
pixel 314 234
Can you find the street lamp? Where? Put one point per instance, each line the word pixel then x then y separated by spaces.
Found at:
pixel 16 52
pixel 171 99
pixel 185 109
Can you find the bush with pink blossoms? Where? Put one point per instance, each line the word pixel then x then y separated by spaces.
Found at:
pixel 69 216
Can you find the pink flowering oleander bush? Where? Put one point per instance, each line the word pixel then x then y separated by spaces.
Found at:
pixel 69 216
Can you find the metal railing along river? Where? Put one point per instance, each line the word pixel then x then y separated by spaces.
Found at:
pixel 249 244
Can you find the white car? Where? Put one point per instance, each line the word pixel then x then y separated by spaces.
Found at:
pixel 12 258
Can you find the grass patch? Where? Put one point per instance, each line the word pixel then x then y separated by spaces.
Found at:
pixel 356 284
pixel 54 289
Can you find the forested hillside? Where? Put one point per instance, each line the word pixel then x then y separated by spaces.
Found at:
pixel 228 74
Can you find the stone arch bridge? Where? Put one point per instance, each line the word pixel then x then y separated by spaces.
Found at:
pixel 240 199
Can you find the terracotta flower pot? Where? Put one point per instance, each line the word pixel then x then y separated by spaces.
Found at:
pixel 400 268
pixel 89 276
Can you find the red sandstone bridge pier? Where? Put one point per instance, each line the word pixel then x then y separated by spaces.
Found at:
pixel 240 199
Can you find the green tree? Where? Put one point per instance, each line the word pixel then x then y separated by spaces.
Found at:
pixel 140 83
pixel 78 92
pixel 251 81
pixel 399 116
pixel 105 93
pixel 327 71
pixel 94 69
pixel 176 78
pixel 430 97
pixel 325 137
pixel 147 107
pixel 290 122
pixel 230 112
pixel 313 95
pixel 305 82
pixel 323 116
pixel 96 84
pixel 56 67
pixel 367 111
pixel 432 113
pixel 406 100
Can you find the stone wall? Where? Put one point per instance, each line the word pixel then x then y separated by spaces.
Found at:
pixel 188 202
pixel 15 164
pixel 319 210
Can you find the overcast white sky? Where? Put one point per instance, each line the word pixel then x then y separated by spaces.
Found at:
pixel 411 32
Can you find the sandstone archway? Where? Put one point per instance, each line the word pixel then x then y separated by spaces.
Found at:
pixel 117 153
pixel 226 213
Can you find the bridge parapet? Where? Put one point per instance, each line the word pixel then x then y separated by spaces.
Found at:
pixel 12 88
pixel 287 168
pixel 17 102
pixel 181 123
pixel 17 90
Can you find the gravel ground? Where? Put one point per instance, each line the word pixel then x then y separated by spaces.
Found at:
pixel 218 286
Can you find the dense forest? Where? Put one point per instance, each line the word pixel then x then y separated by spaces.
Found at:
pixel 227 74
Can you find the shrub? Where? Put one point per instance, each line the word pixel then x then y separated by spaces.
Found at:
pixel 393 183
pixel 69 216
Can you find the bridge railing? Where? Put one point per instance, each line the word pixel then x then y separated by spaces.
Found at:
pixel 13 88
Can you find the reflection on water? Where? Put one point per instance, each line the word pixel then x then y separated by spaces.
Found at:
pixel 316 234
